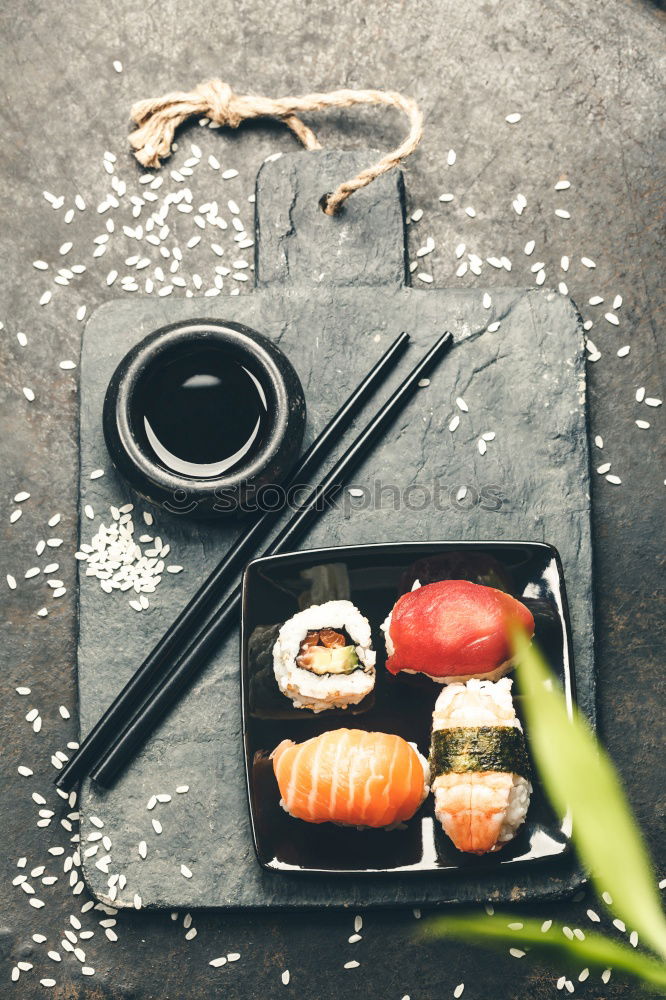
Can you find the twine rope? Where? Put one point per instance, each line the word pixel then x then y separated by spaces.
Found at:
pixel 158 118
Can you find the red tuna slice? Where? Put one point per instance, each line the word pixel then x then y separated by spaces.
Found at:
pixel 454 628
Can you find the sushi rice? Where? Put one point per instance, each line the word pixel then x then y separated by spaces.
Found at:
pixel 319 692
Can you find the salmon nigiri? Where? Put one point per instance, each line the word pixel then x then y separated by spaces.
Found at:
pixel 351 777
pixel 453 630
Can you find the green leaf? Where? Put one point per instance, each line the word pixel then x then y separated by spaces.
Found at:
pixel 579 777
pixel 596 951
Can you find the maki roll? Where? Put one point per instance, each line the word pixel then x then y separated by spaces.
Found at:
pixel 323 657
pixel 479 765
pixel 352 778
pixel 453 630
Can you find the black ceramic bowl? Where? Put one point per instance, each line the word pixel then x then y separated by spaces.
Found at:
pixel 202 415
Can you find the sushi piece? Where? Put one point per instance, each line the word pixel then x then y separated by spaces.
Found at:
pixel 453 630
pixel 351 777
pixel 479 765
pixel 323 657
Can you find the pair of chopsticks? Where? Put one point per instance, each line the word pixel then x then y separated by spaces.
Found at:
pixel 176 659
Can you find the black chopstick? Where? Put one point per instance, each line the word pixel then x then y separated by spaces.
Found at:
pixel 156 705
pixel 191 618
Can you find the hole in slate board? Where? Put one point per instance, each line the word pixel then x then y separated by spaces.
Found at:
pixel 373 577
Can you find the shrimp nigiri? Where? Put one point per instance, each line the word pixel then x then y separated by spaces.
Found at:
pixel 479 765
pixel 351 777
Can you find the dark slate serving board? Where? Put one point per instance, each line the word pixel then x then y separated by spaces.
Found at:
pixel 333 293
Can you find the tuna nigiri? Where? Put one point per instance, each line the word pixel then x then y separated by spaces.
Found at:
pixel 351 777
pixel 479 765
pixel 453 630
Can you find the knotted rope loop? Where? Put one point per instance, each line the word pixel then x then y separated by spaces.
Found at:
pixel 219 97
pixel 157 121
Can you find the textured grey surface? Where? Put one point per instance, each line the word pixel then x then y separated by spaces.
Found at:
pixel 298 244
pixel 538 464
pixel 588 79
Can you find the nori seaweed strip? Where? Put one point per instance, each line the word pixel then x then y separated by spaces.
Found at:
pixel 462 749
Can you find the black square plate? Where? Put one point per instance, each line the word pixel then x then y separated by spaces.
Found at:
pixel 373 577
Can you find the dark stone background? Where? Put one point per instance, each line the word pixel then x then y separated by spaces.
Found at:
pixel 586 78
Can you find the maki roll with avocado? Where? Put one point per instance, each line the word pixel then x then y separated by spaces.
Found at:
pixel 480 771
pixel 323 657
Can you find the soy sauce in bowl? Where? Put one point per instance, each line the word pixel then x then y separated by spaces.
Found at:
pixel 203 413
